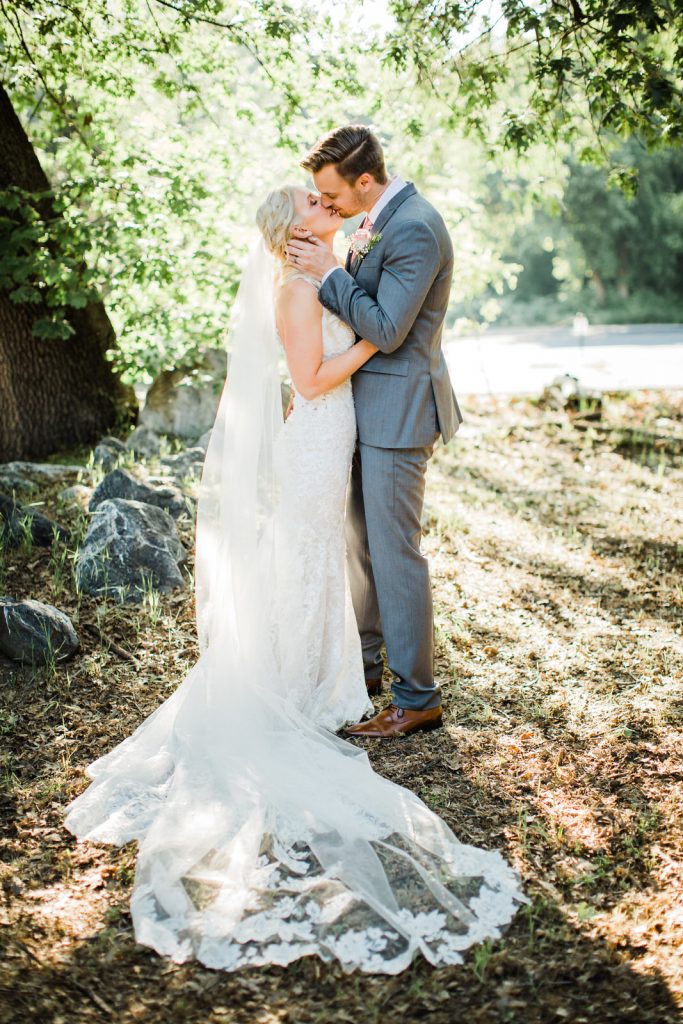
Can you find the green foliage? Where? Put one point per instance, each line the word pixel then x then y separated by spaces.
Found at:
pixel 579 69
pixel 161 121
pixel 614 256
pixel 43 243
pixel 632 241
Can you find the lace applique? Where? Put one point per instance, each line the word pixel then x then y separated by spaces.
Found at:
pixel 294 915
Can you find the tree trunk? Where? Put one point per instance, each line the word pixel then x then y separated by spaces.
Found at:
pixel 598 285
pixel 53 393
pixel 623 273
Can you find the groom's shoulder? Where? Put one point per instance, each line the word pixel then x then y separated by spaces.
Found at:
pixel 416 207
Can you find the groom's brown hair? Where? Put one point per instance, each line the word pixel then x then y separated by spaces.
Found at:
pixel 353 149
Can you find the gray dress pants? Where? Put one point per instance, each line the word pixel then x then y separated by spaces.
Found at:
pixel 388 574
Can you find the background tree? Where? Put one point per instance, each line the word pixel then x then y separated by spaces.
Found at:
pixel 44 362
pixel 142 219
pixel 617 257
pixel 591 69
pixel 630 243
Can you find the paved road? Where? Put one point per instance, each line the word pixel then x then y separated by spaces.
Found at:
pixel 524 360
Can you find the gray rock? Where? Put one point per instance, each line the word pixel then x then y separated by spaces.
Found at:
pixel 40 527
pixel 203 441
pixel 187 463
pixel 566 391
pixel 130 543
pixel 122 484
pixel 79 494
pixel 144 441
pixel 18 476
pixel 109 451
pixel 32 631
pixel 11 481
pixel 46 470
pixel 184 401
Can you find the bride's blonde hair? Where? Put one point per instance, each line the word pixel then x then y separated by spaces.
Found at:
pixel 275 218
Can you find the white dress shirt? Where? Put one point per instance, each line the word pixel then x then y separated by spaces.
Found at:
pixel 392 189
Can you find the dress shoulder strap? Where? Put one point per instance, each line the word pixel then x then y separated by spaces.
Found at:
pixel 304 276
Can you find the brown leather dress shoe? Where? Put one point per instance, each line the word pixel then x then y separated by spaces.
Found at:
pixel 395 721
pixel 374 686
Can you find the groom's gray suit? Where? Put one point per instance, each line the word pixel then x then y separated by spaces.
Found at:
pixel 396 297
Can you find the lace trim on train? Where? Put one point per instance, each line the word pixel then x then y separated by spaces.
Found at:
pixel 301 910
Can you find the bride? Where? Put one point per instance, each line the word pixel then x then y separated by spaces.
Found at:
pixel 263 836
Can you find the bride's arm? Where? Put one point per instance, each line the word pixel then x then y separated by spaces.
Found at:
pixel 300 325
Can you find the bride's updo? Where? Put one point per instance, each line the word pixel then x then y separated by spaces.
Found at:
pixel 275 218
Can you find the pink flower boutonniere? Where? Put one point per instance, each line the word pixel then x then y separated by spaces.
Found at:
pixel 362 241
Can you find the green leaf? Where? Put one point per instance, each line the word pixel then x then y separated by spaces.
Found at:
pixel 50 329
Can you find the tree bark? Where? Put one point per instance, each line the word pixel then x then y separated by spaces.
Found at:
pixel 598 285
pixel 53 393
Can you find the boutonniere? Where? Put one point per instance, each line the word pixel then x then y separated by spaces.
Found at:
pixel 362 241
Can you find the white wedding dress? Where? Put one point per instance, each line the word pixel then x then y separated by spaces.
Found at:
pixel 263 837
pixel 323 671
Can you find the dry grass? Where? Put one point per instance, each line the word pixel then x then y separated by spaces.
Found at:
pixel 556 552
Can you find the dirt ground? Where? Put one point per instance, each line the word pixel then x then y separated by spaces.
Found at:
pixel 555 540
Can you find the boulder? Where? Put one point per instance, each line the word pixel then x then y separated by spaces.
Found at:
pixel 21 476
pixel 567 392
pixel 11 481
pixel 45 470
pixel 33 631
pixel 128 546
pixel 79 494
pixel 122 484
pixel 144 441
pixel 187 463
pixel 108 452
pixel 183 401
pixel 41 527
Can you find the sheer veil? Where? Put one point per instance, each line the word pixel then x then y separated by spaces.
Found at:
pixel 262 836
pixel 238 488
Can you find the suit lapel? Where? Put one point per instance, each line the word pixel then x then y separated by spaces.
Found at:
pixel 393 205
pixel 353 263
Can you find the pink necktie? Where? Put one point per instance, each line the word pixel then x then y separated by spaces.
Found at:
pixel 367 224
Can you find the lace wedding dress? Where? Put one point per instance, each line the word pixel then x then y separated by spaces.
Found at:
pixel 323 671
pixel 262 836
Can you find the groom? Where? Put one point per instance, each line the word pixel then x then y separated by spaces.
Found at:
pixel 394 292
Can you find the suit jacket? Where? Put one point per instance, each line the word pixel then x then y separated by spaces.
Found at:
pixel 397 297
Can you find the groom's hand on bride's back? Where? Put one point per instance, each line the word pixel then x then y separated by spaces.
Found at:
pixel 308 253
